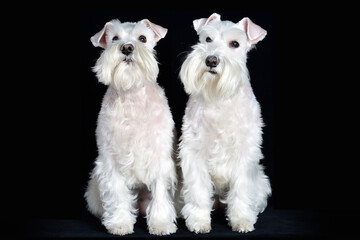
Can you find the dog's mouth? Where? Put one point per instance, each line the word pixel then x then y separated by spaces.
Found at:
pixel 127 60
pixel 212 71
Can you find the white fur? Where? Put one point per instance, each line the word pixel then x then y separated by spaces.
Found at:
pixel 221 137
pixel 134 135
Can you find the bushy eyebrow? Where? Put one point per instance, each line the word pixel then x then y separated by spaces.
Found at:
pixel 232 33
pixel 209 31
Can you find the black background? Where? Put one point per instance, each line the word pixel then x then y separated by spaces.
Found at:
pixel 297 74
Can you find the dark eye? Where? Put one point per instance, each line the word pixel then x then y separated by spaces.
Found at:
pixel 234 44
pixel 142 38
pixel 208 39
pixel 115 38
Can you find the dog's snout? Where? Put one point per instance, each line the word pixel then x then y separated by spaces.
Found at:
pixel 127 48
pixel 212 61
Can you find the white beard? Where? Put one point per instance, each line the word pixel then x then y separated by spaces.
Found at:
pixel 222 85
pixel 125 72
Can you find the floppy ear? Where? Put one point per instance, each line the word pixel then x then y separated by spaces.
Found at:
pixel 159 31
pixel 253 32
pixel 198 23
pixel 99 39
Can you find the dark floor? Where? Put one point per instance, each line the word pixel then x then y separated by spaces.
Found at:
pixel 271 224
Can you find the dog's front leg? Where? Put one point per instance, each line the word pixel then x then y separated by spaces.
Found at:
pixel 197 192
pixel 117 200
pixel 160 213
pixel 240 198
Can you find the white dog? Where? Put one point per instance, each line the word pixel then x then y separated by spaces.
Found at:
pixel 135 168
pixel 221 131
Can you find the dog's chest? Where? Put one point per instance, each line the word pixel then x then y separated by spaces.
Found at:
pixel 219 144
pixel 134 112
pixel 222 131
pixel 128 126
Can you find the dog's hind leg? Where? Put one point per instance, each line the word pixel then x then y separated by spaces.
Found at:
pixel 263 189
pixel 92 196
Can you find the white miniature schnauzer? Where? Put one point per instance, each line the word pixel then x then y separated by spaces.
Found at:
pixel 222 127
pixel 135 168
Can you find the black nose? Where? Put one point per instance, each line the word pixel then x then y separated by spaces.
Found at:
pixel 211 61
pixel 127 49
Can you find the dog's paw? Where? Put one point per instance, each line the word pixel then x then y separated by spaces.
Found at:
pixel 198 225
pixel 120 229
pixel 242 225
pixel 162 229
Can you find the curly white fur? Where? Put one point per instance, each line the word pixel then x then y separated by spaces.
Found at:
pixel 221 131
pixel 134 134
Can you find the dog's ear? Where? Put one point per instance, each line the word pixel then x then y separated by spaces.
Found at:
pixel 99 39
pixel 198 23
pixel 253 32
pixel 159 31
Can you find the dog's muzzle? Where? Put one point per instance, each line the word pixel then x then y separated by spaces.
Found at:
pixel 212 61
pixel 127 48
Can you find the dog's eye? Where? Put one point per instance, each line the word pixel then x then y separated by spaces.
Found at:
pixel 234 44
pixel 115 38
pixel 208 39
pixel 142 38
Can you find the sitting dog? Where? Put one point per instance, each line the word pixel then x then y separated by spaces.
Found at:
pixel 219 148
pixel 135 168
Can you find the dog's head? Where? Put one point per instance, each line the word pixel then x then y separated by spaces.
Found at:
pixel 216 67
pixel 128 59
